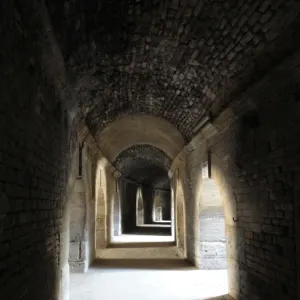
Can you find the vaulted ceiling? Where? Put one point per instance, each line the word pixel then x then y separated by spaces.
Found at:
pixel 176 59
pixel 145 164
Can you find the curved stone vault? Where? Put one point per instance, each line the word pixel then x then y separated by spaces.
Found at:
pixel 145 164
pixel 179 60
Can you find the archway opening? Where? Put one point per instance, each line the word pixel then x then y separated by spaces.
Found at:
pixel 212 233
pixel 144 192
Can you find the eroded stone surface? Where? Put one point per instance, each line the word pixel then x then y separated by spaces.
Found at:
pixel 172 59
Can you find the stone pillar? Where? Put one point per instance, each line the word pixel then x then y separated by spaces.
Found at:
pixel 157 207
pixel 78 255
pixel 117 211
pixel 148 204
pixel 139 207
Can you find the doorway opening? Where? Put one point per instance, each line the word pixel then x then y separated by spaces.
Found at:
pixel 144 196
pixel 212 227
pixel 213 253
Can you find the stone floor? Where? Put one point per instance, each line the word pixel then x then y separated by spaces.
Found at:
pixel 148 279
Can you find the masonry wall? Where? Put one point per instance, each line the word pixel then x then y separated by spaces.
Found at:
pixel 181 217
pixel 255 163
pixel 101 206
pixel 33 161
pixel 83 215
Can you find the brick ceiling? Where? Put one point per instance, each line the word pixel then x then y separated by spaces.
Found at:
pixel 145 164
pixel 179 60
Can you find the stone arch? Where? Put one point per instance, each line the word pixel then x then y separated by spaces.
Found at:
pixel 81 198
pixel 139 129
pixel 226 185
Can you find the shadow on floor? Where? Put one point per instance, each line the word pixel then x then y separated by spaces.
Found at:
pixel 148 264
pixel 162 231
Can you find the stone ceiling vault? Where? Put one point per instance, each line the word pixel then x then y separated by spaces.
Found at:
pixel 145 164
pixel 174 59
pixel 128 131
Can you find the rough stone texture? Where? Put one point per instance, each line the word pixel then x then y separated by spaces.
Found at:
pixel 146 153
pixel 166 60
pixel 173 59
pixel 255 163
pixel 128 131
pixel 140 214
pixel 83 216
pixel 179 198
pixel 33 157
pixel 146 165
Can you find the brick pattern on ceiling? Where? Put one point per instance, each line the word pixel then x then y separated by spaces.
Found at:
pixel 142 153
pixel 145 164
pixel 174 59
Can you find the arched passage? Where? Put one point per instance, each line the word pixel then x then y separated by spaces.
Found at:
pixel 128 131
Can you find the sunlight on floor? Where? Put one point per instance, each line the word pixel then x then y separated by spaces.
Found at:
pixel 159 280
pixel 135 238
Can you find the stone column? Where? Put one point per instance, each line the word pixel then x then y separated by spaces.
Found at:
pixel 78 259
pixel 139 207
pixel 148 204
pixel 157 207
pixel 117 211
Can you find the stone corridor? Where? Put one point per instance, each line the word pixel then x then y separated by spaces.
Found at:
pixel 149 149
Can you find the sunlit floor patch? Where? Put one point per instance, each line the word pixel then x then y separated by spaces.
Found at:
pixel 147 280
pixel 134 238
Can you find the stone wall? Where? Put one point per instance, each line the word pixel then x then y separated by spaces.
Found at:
pixel 82 215
pixel 179 188
pixel 33 158
pixel 254 154
pixel 101 206
pixel 140 208
pixel 117 211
